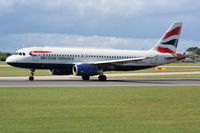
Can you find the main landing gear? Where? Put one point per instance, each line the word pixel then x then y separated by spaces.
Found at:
pixel 85 77
pixel 31 78
pixel 101 77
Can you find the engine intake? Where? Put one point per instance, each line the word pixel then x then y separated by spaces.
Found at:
pixel 85 70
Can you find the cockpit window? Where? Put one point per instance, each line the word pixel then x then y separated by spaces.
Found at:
pixel 20 53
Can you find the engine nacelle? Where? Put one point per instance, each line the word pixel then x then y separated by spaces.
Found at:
pixel 85 70
pixel 60 72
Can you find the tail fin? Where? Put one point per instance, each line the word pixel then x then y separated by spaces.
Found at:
pixel 169 41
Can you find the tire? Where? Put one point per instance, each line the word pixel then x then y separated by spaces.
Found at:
pixel 85 77
pixel 102 78
pixel 31 78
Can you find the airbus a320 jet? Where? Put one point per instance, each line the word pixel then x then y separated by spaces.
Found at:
pixel 88 62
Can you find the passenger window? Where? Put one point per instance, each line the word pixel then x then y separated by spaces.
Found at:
pixel 20 53
pixel 24 54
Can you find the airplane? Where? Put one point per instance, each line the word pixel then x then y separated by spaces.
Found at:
pixel 88 62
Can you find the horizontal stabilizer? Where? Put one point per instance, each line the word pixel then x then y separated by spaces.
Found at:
pixel 174 57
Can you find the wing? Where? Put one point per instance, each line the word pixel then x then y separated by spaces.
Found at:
pixel 117 62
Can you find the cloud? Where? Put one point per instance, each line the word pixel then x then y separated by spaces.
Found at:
pixel 119 18
pixel 102 7
pixel 81 7
pixel 5 6
pixel 16 41
pixel 9 5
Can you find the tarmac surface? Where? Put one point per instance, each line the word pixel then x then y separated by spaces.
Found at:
pixel 45 81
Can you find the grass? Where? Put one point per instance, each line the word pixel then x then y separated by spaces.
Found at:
pixel 100 110
pixel 2 63
pixel 12 71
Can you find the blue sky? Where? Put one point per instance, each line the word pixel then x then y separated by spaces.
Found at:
pixel 120 24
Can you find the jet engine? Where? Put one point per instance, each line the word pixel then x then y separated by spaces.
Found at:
pixel 85 70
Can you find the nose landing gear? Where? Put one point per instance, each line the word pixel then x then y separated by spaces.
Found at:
pixel 31 78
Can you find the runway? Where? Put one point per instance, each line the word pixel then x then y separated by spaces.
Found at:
pixel 70 82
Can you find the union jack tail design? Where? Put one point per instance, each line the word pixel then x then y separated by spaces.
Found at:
pixel 169 41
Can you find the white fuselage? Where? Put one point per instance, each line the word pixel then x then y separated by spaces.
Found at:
pixel 70 56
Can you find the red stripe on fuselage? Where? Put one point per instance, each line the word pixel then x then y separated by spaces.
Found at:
pixel 175 31
pixel 40 52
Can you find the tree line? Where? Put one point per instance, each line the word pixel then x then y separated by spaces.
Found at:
pixel 194 50
pixel 3 56
pixel 193 53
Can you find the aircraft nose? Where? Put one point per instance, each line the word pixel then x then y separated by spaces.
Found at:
pixel 10 59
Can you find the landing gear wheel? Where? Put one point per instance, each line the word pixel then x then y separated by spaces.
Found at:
pixel 102 78
pixel 31 78
pixel 85 77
